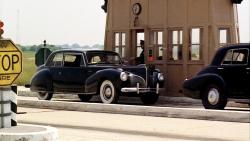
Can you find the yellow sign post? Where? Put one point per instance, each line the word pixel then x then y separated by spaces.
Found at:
pixel 10 62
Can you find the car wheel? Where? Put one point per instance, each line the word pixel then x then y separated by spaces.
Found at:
pixel 149 98
pixel 108 92
pixel 213 97
pixel 44 96
pixel 84 98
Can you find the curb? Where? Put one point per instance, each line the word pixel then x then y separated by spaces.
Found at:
pixel 187 113
pixel 27 132
pixel 162 99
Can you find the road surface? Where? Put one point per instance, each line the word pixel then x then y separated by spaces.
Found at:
pixel 85 126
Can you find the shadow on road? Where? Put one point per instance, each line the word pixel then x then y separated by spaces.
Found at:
pixel 130 132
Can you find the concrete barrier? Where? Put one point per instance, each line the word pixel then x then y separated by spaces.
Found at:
pixel 24 132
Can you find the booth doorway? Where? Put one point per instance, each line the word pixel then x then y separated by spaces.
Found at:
pixel 139 36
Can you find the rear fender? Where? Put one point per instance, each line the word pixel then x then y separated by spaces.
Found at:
pixel 42 81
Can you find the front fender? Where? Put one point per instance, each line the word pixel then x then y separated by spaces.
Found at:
pixel 42 81
pixel 92 83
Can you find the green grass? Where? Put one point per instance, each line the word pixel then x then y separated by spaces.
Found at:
pixel 29 68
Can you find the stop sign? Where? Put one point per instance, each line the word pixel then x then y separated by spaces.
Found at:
pixel 10 62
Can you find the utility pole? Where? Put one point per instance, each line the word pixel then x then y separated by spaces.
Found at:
pixel 18 27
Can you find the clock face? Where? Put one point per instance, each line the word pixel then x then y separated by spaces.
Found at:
pixel 136 8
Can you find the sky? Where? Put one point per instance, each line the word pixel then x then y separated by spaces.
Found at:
pixel 29 22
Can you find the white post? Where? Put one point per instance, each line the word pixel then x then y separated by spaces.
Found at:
pixel 13 99
pixel 5 108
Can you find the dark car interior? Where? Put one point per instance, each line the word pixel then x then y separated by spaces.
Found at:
pixel 72 60
pixel 102 58
pixel 237 57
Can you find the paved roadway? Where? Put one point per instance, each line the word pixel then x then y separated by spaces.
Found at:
pixel 84 126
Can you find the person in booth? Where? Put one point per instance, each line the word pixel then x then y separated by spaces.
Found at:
pixel 141 59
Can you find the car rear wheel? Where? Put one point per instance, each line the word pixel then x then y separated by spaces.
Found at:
pixel 213 97
pixel 149 98
pixel 108 92
pixel 84 98
pixel 44 96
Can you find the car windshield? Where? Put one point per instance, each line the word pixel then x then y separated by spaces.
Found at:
pixel 95 58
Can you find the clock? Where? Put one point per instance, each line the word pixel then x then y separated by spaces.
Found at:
pixel 136 8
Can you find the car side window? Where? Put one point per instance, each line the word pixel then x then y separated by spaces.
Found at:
pixel 73 60
pixel 57 60
pixel 95 60
pixel 236 57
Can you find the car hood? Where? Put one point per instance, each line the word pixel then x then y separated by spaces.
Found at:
pixel 140 70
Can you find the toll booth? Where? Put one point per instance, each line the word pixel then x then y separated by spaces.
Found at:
pixel 181 36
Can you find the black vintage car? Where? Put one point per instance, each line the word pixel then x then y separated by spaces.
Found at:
pixel 89 73
pixel 226 78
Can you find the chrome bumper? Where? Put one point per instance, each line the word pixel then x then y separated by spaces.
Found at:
pixel 139 90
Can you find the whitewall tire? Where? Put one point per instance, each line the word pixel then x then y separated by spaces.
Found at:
pixel 44 96
pixel 108 93
pixel 214 97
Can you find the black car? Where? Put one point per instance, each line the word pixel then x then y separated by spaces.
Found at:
pixel 226 78
pixel 89 73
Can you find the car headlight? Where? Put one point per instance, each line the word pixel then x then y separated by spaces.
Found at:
pixel 160 77
pixel 123 76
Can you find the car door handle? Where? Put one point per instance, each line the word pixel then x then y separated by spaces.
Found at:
pixel 220 68
pixel 247 68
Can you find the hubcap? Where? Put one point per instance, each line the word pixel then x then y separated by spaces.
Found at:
pixel 107 92
pixel 213 96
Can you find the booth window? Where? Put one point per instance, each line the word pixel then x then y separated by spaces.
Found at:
pixel 156 40
pixel 224 36
pixel 120 43
pixel 195 44
pixel 175 41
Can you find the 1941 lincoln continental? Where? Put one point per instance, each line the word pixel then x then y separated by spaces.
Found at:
pixel 89 73
pixel 227 78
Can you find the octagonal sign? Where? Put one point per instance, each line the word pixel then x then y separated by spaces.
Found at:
pixel 10 62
